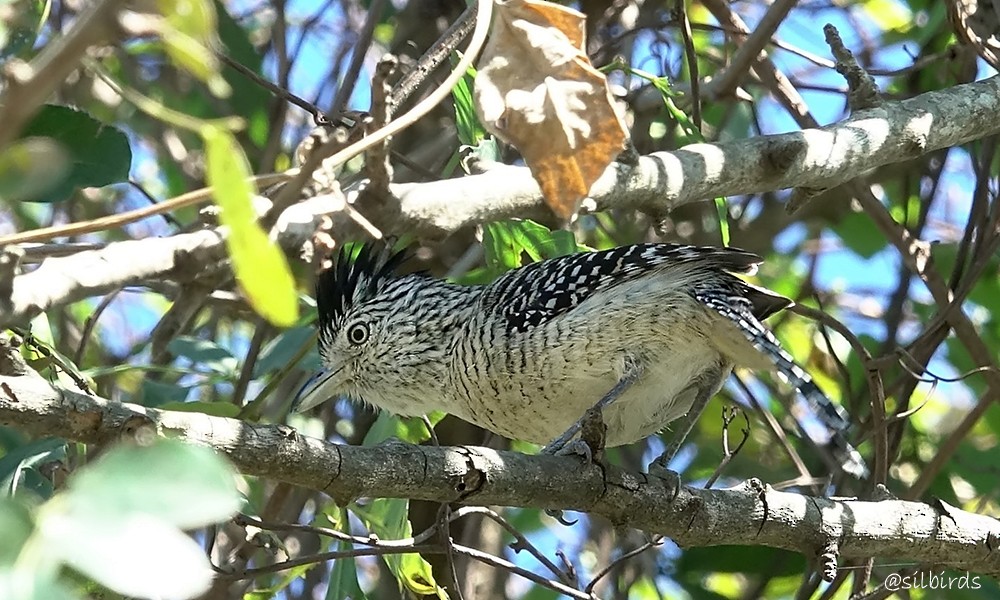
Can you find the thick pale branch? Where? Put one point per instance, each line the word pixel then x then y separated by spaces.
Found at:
pixel 813 158
pixel 181 257
pixel 96 272
pixel 750 514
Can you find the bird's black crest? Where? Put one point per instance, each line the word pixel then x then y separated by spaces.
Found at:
pixel 348 281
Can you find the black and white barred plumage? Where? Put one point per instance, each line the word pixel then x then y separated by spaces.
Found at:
pixel 526 355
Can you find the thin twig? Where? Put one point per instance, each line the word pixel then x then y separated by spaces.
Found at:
pixel 655 542
pixel 319 117
pixel 260 333
pixel 88 326
pixel 321 155
pixel 680 14
pixel 372 16
pixel 433 57
pixel 776 429
pixel 520 542
pixel 876 388
pixel 118 220
pixel 727 456
pixel 510 567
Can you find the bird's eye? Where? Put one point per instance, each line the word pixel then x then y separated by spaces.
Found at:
pixel 357 334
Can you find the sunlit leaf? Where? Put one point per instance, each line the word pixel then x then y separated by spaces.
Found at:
pixel 888 15
pixel 407 429
pixel 133 554
pixel 261 268
pixel 537 90
pixel 119 519
pixel 41 587
pixel 190 37
pixel 470 131
pixel 506 241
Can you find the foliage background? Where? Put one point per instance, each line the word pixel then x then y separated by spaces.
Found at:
pixel 193 343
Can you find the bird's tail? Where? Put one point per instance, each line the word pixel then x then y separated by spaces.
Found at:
pixel 745 313
pixel 834 418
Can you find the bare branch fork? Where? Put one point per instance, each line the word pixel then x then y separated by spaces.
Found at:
pixel 906 531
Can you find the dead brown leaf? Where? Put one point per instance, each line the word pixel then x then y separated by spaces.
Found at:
pixel 537 90
pixel 977 23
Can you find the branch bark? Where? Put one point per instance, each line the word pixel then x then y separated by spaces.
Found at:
pixel 749 514
pixel 815 159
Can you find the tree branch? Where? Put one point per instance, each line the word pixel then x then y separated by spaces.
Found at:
pixel 812 159
pixel 750 514
pixel 28 86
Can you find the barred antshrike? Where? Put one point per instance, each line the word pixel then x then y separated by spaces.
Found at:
pixel 647 332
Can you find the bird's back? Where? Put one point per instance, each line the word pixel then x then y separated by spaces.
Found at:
pixel 549 339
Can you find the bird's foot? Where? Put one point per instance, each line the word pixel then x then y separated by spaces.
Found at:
pixel 659 468
pixel 590 444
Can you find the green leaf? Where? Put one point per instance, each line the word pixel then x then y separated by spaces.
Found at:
pixel 287 577
pixel 156 393
pixel 204 353
pixel 987 287
pixel 723 214
pixel 180 484
pixel 117 522
pixel 470 131
pixel 284 348
pixel 387 518
pixel 42 587
pixel 32 168
pixel 132 554
pixel 501 253
pixel 407 429
pixel 261 268
pixel 505 241
pixel 190 35
pixel 248 99
pixel 344 573
pixel 16 525
pixel 99 154
pixel 215 409
pixel 860 234
pixel 889 15
pixel 16 465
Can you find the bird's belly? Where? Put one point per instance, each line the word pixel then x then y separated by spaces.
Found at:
pixel 537 403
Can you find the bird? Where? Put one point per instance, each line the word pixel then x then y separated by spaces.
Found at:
pixel 645 333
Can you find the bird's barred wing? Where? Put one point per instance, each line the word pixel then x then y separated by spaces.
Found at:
pixel 534 294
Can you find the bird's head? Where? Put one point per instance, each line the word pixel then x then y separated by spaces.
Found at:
pixel 379 334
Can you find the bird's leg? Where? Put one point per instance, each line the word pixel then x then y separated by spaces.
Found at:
pixel 703 388
pixel 563 443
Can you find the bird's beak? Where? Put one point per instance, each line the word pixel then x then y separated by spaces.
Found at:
pixel 321 387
